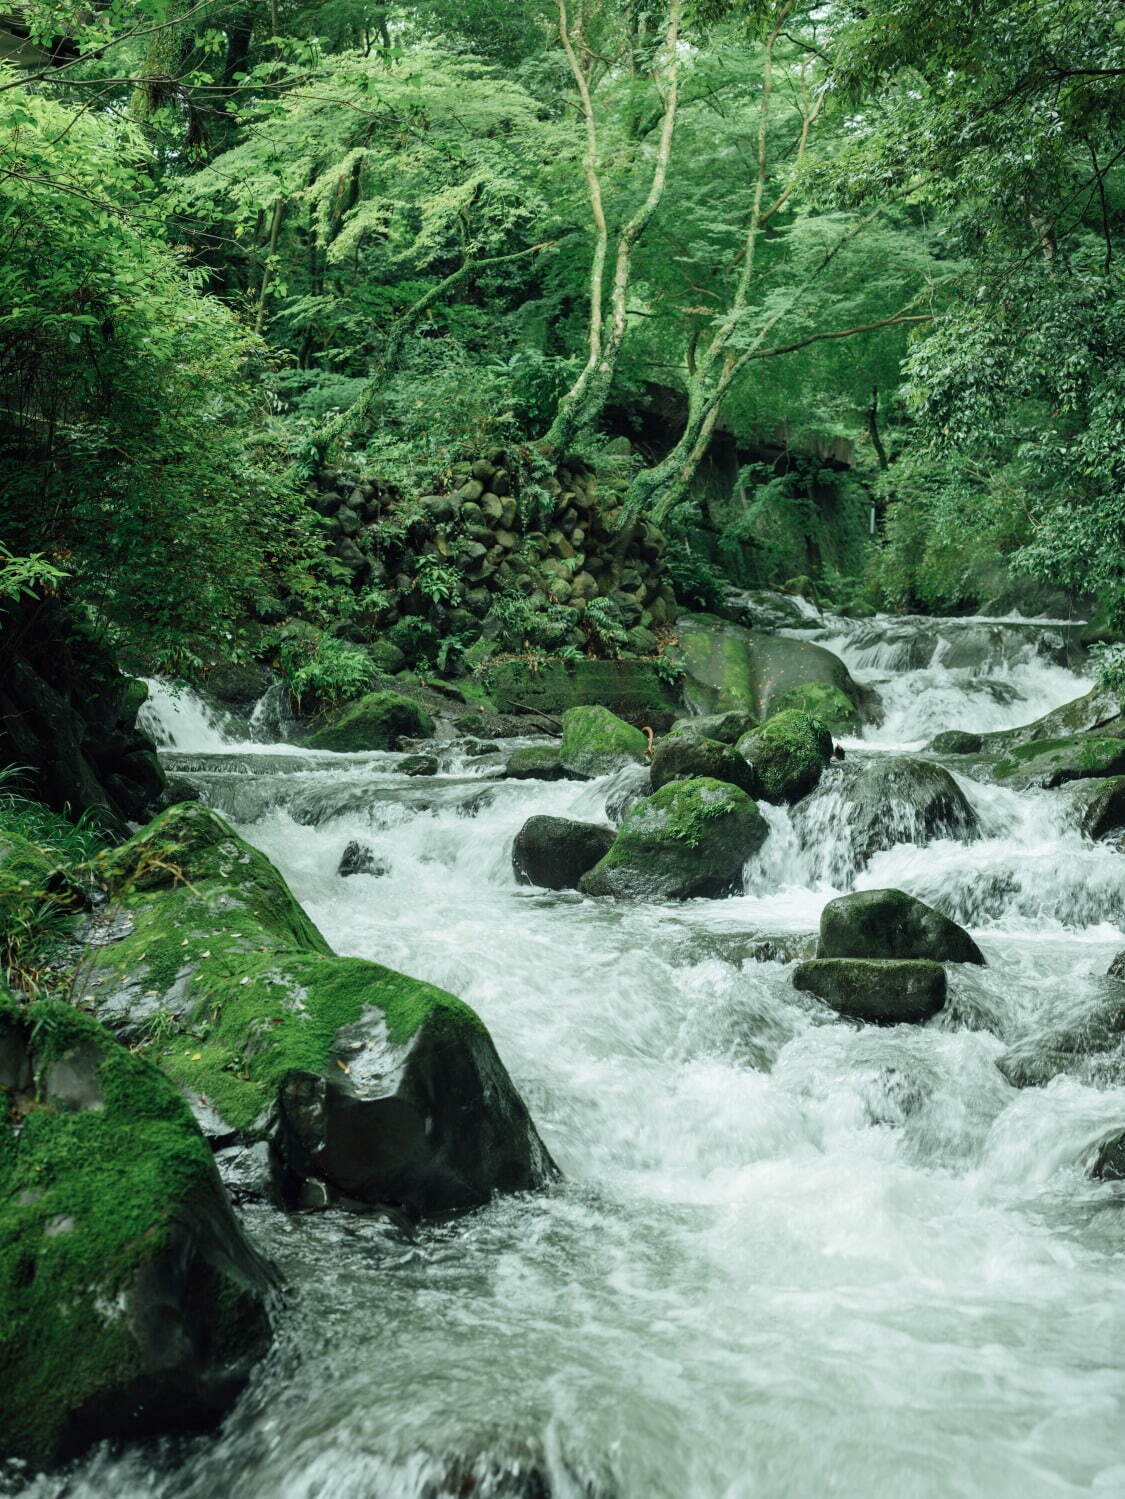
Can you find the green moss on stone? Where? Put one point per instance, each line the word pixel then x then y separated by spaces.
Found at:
pixel 596 742
pixel 789 752
pixel 379 721
pixel 1055 761
pixel 821 700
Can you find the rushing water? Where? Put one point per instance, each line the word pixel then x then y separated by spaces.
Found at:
pixel 789 1257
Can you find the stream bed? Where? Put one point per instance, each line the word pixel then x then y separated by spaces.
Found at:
pixel 788 1257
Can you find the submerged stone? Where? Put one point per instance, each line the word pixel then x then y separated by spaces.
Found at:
pixel 875 991
pixel 892 924
pixel 691 838
pixel 555 852
pixel 131 1302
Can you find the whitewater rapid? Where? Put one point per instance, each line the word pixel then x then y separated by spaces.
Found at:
pixel 789 1257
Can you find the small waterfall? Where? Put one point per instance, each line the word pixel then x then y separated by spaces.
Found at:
pixel 177 718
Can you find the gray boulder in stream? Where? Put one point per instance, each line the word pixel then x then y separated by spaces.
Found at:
pixel 691 838
pixel 374 1090
pixel 886 800
pixel 875 991
pixel 131 1302
pixel 555 852
pixel 1098 805
pixel 1053 762
pixel 892 924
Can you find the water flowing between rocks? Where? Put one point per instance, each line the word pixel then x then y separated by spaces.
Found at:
pixel 789 1257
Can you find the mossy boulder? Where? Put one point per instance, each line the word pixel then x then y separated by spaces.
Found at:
pixel 633 689
pixel 213 969
pixel 417 765
pixel 956 742
pixel 537 762
pixel 891 924
pixel 1096 711
pixel 131 1303
pixel 596 742
pixel 825 701
pixel 727 728
pixel 555 852
pixel 875 991
pixel 378 721
pixel 1098 805
pixel 691 838
pixel 680 758
pixel 729 667
pixel 1053 762
pixel 788 754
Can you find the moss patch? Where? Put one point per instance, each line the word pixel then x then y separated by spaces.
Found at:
pixel 1055 761
pixel 596 742
pixel 379 721
pixel 821 700
pixel 789 752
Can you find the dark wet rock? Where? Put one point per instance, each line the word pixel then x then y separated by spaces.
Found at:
pixel 1096 711
pixel 1099 805
pixel 374 1089
pixel 555 852
pixel 1054 762
pixel 477 749
pixel 178 790
pixel 379 721
pixel 537 762
pixel 1116 969
pixel 875 991
pixel 680 758
pixel 417 765
pixel 886 800
pixel 489 725
pixel 1110 1163
pixel 956 742
pixel 788 754
pixel 133 1303
pixel 892 924
pixel 596 742
pixel 238 686
pixel 412 1109
pixel 361 858
pixel 727 728
pixel 691 838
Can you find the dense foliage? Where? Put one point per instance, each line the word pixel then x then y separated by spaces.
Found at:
pixel 814 262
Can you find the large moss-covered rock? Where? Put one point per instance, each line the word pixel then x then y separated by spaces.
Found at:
pixel 679 757
pixel 886 800
pixel 555 852
pixel 131 1303
pixel 212 967
pixel 378 721
pixel 1096 711
pixel 825 701
pixel 728 667
pixel 691 838
pixel 1098 805
pixel 1053 762
pixel 788 754
pixel 891 924
pixel 633 689
pixel 875 991
pixel 596 742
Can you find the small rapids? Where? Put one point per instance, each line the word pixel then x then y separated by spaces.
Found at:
pixel 789 1257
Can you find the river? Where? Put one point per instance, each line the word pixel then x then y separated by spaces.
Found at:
pixel 789 1257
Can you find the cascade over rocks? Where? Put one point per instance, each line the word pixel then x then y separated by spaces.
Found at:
pixel 728 667
pixel 876 991
pixel 555 852
pixel 679 757
pixel 891 924
pixel 596 742
pixel 788 755
pixel 133 1303
pixel 378 721
pixel 691 838
pixel 630 787
pixel 210 940
pixel 883 801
